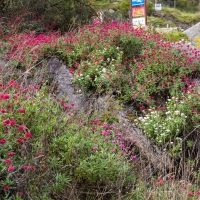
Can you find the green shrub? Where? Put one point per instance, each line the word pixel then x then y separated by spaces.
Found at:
pixel 43 142
pixel 176 36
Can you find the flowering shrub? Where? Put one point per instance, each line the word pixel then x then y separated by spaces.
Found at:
pixel 43 142
pixel 179 114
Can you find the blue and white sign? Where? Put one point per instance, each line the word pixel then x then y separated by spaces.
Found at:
pixel 137 2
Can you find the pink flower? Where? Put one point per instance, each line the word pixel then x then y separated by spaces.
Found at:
pixel 21 110
pixel 6 187
pixel 160 182
pixel 95 148
pixel 198 193
pixel 3 141
pixel 128 138
pixel 20 193
pixel 11 168
pixel 11 153
pixel 8 161
pixel 6 122
pixel 63 101
pixel 114 150
pixel 2 111
pixel 133 157
pixel 190 194
pixel 20 140
pixel 29 167
pixel 105 125
pixel 72 105
pixel 134 141
pixel 12 122
pixel 21 128
pixel 69 113
pixel 28 134
pixel 5 96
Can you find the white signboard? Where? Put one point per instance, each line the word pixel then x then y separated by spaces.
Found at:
pixel 158 6
pixel 139 21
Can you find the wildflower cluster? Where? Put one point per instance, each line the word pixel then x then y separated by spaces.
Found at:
pixel 41 136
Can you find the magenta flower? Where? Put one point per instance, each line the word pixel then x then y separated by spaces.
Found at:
pixel 21 128
pixel 190 194
pixel 95 148
pixel 69 113
pixel 11 153
pixel 12 122
pixel 6 187
pixel 5 96
pixel 3 141
pixel 28 134
pixel 133 157
pixel 2 111
pixel 11 168
pixel 8 161
pixel 6 122
pixel 21 110
pixel 20 193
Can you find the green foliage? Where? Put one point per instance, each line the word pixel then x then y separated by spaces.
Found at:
pixel 130 45
pixel 173 120
pixel 182 16
pixel 124 7
pixel 157 22
pixel 62 15
pixel 176 36
pixel 150 7
pixel 54 151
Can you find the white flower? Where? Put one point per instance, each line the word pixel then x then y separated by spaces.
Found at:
pixel 104 70
pixel 182 115
pixel 177 112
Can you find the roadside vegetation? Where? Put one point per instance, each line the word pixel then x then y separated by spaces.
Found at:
pixel 49 151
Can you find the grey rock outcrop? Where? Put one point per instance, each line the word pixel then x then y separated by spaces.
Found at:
pixel 193 32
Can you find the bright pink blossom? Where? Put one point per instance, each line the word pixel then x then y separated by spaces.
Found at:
pixel 3 141
pixel 6 187
pixel 8 161
pixel 95 148
pixel 133 157
pixel 5 96
pixel 12 122
pixel 6 122
pixel 21 110
pixel 11 153
pixel 21 128
pixel 190 194
pixel 11 168
pixel 3 111
pixel 28 134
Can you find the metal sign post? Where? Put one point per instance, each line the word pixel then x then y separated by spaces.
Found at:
pixel 138 15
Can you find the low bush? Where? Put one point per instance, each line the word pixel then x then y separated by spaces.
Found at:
pixel 46 149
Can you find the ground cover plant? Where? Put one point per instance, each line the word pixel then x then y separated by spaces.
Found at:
pixel 63 155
